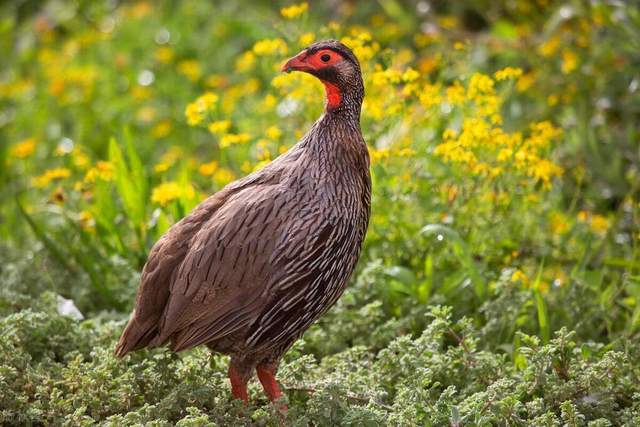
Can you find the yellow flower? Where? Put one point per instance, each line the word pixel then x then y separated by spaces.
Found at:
pixel 544 170
pixel 165 193
pixel 508 73
pixel 86 221
pixel 102 170
pixel 385 77
pixel 215 80
pixel 164 55
pixel 270 47
pixel 245 62
pixel 223 176
pixel 219 127
pixel 448 21
pixel 306 39
pixel 410 75
pixel 229 139
pixel 24 148
pixel 378 154
pixel 455 94
pixel 430 95
pixel 273 133
pixel 190 68
pixel 583 216
pixel 162 129
pixel 146 114
pixel 449 134
pixel 549 47
pixel 207 169
pixel 480 84
pixel 196 110
pixel 294 11
pixel 526 81
pixel 599 224
pixel 558 223
pixel 161 167
pixel 569 61
pixel 43 180
pixel 519 276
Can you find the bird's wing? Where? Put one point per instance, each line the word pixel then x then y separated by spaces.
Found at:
pixel 167 255
pixel 224 274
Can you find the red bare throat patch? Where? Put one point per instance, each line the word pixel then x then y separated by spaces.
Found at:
pixel 334 96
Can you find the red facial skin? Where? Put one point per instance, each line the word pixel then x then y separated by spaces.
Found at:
pixel 313 63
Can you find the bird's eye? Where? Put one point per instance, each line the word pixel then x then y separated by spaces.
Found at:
pixel 325 58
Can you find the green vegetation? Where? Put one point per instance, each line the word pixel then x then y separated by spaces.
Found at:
pixel 500 280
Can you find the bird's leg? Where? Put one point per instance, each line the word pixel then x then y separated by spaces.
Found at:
pixel 267 376
pixel 238 382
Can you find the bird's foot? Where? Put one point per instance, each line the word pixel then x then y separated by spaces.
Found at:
pixel 267 376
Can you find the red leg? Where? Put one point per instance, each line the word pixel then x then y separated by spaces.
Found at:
pixel 238 385
pixel 267 375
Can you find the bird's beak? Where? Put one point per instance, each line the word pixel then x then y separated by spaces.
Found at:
pixel 297 63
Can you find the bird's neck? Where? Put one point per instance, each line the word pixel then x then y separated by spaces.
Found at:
pixel 344 102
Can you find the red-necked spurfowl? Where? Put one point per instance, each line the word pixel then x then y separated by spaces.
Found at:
pixel 254 265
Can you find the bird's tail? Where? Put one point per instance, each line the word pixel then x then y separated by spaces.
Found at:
pixel 134 337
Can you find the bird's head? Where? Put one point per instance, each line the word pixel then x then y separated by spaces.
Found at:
pixel 337 68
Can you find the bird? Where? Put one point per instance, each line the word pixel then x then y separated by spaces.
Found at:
pixel 255 264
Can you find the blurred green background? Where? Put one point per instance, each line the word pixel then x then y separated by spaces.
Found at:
pixel 500 280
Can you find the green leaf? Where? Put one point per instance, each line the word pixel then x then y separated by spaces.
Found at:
pixel 541 307
pixel 462 251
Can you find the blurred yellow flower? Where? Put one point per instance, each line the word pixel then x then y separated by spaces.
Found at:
pixel 24 148
pixel 549 47
pixel 164 54
pixel 558 223
pixel 219 127
pixel 161 167
pixel 430 95
pixel 215 80
pixel 410 75
pixel 569 61
pixel 43 180
pixel 306 39
pixel 544 170
pixel 207 169
pixel 102 170
pixel 294 11
pixel 519 276
pixel 146 114
pixel 526 81
pixel 223 176
pixel 480 84
pixel 448 21
pixel 245 62
pixel 508 73
pixel 162 129
pixel 230 139
pixel 385 77
pixel 273 133
pixel 190 68
pixel 270 47
pixel 196 110
pixel 86 220
pixel 599 224
pixel 165 193
pixel 455 93
pixel 377 154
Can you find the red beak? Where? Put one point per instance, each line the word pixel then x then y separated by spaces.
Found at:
pixel 297 63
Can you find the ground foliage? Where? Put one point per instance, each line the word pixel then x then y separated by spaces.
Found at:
pixel 500 279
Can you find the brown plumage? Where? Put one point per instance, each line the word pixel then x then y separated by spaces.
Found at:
pixel 250 268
